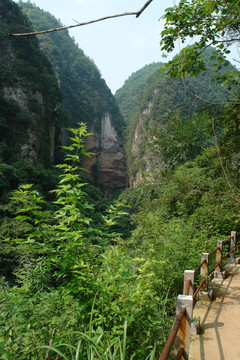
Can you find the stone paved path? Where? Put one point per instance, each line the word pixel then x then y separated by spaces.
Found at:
pixel 220 321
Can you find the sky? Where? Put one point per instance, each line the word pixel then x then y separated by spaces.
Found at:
pixel 117 46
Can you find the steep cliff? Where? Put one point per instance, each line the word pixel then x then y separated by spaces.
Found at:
pixel 167 119
pixel 107 167
pixel 29 93
pixel 86 98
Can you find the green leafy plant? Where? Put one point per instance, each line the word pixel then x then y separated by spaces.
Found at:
pixel 65 256
pixel 95 344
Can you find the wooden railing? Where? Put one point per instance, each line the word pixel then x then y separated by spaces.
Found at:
pixel 181 331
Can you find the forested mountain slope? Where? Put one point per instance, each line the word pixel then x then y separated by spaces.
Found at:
pixel 127 95
pixel 164 107
pixel 45 91
pixel 86 95
pixel 29 105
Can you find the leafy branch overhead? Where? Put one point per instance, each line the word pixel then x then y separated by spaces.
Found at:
pixel 135 13
pixel 213 23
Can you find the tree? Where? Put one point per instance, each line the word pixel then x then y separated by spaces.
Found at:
pixel 215 23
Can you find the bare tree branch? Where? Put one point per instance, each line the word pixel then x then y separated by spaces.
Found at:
pixel 227 40
pixel 143 8
pixel 137 14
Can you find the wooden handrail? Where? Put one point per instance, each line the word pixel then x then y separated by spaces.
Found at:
pixel 215 266
pixel 230 252
pixel 199 266
pixel 168 346
pixel 213 252
pixel 227 240
pixel 189 276
pixel 199 288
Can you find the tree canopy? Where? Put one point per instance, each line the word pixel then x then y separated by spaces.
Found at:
pixel 214 23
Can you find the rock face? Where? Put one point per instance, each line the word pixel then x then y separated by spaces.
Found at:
pixel 29 94
pixel 107 167
pixel 141 161
pixel 28 135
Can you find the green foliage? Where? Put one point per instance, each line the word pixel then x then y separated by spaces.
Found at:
pixel 215 23
pixel 165 128
pixel 73 285
pixel 66 257
pixel 100 281
pixel 182 139
pixel 127 96
pixel 181 214
pixel 31 319
pixel 191 197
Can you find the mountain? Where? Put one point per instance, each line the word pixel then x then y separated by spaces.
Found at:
pixel 48 85
pixel 127 95
pixel 29 93
pixel 161 107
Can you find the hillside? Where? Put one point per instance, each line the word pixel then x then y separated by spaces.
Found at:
pixel 29 93
pixel 86 95
pixel 127 95
pixel 163 108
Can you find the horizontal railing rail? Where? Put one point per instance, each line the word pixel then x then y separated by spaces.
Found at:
pixel 180 334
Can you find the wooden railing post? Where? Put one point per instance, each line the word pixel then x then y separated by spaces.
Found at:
pixel 183 335
pixel 233 244
pixel 217 272
pixel 188 288
pixel 180 334
pixel 204 269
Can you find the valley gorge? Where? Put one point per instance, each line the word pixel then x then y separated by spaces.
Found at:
pixel 106 200
pixel 69 90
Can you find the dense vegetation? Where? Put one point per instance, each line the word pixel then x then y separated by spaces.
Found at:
pixel 171 118
pixel 127 95
pixel 85 279
pixel 72 273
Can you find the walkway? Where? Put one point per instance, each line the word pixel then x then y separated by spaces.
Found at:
pixel 220 321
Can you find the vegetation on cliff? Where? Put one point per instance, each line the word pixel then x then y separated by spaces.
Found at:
pixel 47 84
pixel 171 122
pixel 127 96
pixel 29 93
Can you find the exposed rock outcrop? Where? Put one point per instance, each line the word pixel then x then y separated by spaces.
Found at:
pixel 29 93
pixel 107 167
